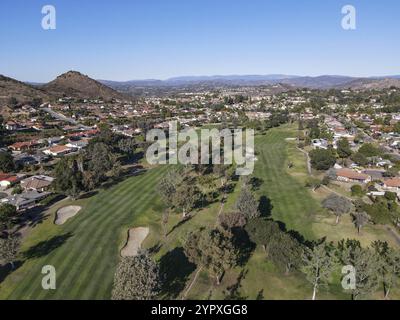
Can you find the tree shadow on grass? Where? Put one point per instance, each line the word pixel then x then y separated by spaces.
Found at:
pixel 116 180
pixel 180 223
pixel 265 206
pixel 176 269
pixel 5 270
pixel 45 247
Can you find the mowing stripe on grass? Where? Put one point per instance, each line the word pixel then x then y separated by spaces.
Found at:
pixel 95 233
pixel 58 255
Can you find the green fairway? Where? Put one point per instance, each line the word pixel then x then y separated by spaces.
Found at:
pixel 84 251
pixel 291 202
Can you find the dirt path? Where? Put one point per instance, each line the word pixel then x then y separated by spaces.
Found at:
pixel 335 192
pixel 191 284
pixel 307 160
pixel 394 234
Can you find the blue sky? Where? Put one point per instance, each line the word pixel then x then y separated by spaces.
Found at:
pixel 143 39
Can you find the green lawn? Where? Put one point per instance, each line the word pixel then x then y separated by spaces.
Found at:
pixel 85 250
pixel 291 202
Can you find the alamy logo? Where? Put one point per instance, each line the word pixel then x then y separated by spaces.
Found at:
pixel 349 278
pixel 49 280
pixel 349 20
pixel 49 20
pixel 213 146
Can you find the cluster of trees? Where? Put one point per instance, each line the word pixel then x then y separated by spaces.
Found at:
pixel 374 267
pixel 366 154
pixel 322 159
pixel 9 246
pixel 98 162
pixel 212 249
pixel 6 162
pixel 382 210
pixel 8 214
pixel 281 247
pixel 225 246
pixel 179 191
pixel 314 131
pixel 137 278
pixel 9 242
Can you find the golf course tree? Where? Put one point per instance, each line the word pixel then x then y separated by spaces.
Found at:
pixel 261 231
pixel 68 178
pixel 6 162
pixel 388 265
pixel 99 160
pixel 366 264
pixel 318 264
pixel 247 203
pixel 337 205
pixel 281 247
pixel 230 220
pixel 322 159
pixel 212 249
pixel 360 218
pixel 9 249
pixel 179 191
pixel 137 278
pixel 8 212
pixel 168 185
pixel 127 146
pixel 285 251
pixel 186 197
pixel 224 173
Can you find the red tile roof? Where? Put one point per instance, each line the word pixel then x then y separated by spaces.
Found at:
pixel 350 174
pixel 395 182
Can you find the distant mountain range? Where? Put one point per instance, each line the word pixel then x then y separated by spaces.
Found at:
pixel 77 85
pixel 319 82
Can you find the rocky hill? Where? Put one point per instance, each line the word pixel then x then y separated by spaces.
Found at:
pixel 21 91
pixel 74 84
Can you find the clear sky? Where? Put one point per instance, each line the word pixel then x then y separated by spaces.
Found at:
pixel 143 39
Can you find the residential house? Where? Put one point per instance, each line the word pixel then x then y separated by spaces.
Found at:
pixel 23 146
pixel 392 184
pixel 7 180
pixel 25 200
pixel 11 126
pixel 320 143
pixel 348 175
pixel 79 144
pixel 58 150
pixel 38 183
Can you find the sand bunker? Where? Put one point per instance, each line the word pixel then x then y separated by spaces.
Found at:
pixel 135 239
pixel 66 213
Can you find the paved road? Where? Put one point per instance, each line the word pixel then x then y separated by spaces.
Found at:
pixel 61 117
